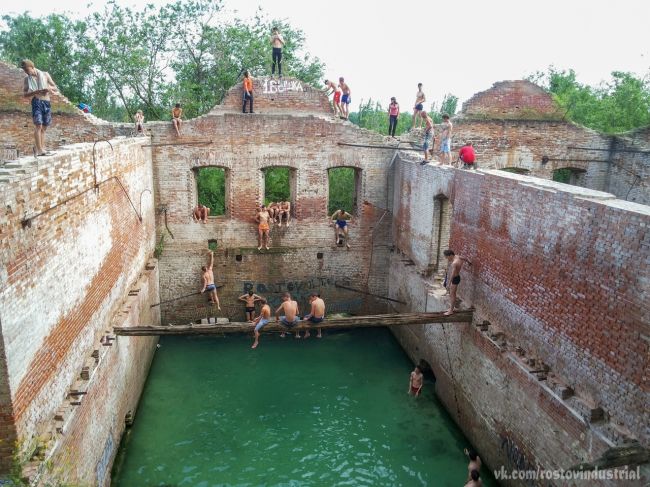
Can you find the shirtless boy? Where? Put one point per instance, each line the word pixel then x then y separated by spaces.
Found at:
pixel 415 381
pixel 177 112
pixel 263 218
pixel 139 122
pixel 418 107
pixel 277 42
pixel 208 282
pixel 290 317
pixel 341 218
pixel 445 140
pixel 201 213
pixel 250 299
pixel 474 462
pixel 330 85
pixel 474 479
pixel 39 85
pixel 456 262
pixel 428 135
pixel 261 321
pixel 346 99
pixel 316 314
pixel 284 211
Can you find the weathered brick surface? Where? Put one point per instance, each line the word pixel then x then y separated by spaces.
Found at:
pixel 63 276
pixel 558 269
pixel 245 145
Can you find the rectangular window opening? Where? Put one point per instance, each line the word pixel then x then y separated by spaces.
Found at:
pixel 344 186
pixel 213 245
pixel 211 185
pixel 277 185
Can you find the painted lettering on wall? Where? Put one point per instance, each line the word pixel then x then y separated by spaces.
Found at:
pixel 272 86
pixel 516 458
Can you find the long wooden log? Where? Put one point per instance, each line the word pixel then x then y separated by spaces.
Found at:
pixel 464 316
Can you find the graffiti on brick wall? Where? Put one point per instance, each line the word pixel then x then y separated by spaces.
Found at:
pixel 516 457
pixel 104 461
pixel 300 291
pixel 272 86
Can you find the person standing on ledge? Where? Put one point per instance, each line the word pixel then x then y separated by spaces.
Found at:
pixel 415 382
pixel 277 42
pixel 317 313
pixel 336 100
pixel 248 92
pixel 456 265
pixel 284 211
pixel 290 309
pixel 208 282
pixel 262 218
pixel 467 156
pixel 177 112
pixel 428 134
pixel 261 321
pixel 445 140
pixel 39 85
pixel 418 107
pixel 393 115
pixel 346 99
pixel 138 118
pixel 250 299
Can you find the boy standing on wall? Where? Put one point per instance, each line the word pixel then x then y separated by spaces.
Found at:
pixel 277 42
pixel 445 140
pixel 208 282
pixel 330 85
pixel 248 92
pixel 346 99
pixel 261 321
pixel 263 218
pixel 39 85
pixel 418 107
pixel 250 299
pixel 456 265
pixel 138 118
pixel 415 381
pixel 428 134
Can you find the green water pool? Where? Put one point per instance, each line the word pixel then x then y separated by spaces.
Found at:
pixel 327 412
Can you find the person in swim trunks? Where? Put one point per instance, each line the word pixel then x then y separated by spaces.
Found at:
pixel 284 212
pixel 415 381
pixel 208 282
pixel 341 219
pixel 316 314
pixel 336 100
pixel 456 262
pixel 445 140
pixel 290 317
pixel 177 113
pixel 201 213
pixel 428 135
pixel 418 106
pixel 263 218
pixel 261 321
pixel 39 86
pixel 346 99
pixel 250 299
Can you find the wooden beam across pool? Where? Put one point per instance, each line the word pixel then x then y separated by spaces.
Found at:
pixel 464 316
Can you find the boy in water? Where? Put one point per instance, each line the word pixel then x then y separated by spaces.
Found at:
pixel 177 112
pixel 415 381
pixel 474 462
pixel 261 321
pixel 250 299
pixel 290 309
pixel 208 282
pixel 456 262
pixel 474 479
pixel 317 313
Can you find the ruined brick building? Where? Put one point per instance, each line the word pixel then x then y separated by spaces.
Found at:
pixel 553 371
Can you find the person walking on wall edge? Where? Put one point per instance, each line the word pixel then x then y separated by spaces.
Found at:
pixel 39 85
pixel 248 92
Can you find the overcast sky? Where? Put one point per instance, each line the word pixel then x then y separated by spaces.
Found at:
pixel 384 49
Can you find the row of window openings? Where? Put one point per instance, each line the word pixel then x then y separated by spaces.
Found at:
pixel 279 185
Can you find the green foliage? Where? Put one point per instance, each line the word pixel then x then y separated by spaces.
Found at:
pixel 342 189
pixel 562 175
pixel 276 185
pixel 121 59
pixel 373 116
pixel 211 185
pixel 160 247
pixel 617 105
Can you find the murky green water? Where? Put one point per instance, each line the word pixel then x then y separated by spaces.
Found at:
pixel 324 412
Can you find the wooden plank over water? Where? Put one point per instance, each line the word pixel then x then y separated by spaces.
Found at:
pixel 464 316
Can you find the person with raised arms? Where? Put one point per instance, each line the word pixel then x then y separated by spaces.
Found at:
pixel 208 282
pixel 250 299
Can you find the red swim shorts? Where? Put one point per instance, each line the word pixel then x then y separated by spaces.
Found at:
pixel 337 96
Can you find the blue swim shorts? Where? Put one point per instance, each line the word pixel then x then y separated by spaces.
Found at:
pixel 347 99
pixel 262 323
pixel 211 287
pixel 445 145
pixel 313 319
pixel 341 223
pixel 419 107
pixel 41 112
pixel 289 324
pixel 425 142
